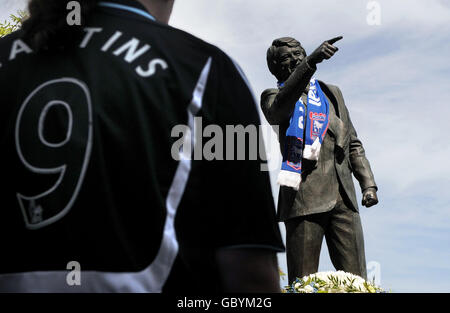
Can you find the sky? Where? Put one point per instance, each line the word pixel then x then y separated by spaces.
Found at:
pixel 395 78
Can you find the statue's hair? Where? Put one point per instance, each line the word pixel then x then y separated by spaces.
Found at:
pixel 46 27
pixel 272 62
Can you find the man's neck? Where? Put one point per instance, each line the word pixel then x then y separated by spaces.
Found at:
pixel 159 9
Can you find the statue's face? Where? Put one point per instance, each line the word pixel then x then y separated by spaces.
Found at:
pixel 288 58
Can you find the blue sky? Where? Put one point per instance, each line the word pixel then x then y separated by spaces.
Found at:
pixel 395 78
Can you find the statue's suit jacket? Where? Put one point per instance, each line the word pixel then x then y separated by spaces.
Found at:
pixel 341 154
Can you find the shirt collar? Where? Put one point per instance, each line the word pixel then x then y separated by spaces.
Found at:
pixel 127 7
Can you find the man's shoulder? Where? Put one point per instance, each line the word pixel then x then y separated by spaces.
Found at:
pixel 182 41
pixel 333 88
pixel 266 95
pixel 332 91
pixel 268 92
pixel 196 41
pixel 175 40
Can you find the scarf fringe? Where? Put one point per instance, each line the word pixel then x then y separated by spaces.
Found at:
pixel 289 179
pixel 312 152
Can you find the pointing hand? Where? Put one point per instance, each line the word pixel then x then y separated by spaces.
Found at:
pixel 325 51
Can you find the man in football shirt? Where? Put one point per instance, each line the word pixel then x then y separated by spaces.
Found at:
pixel 94 199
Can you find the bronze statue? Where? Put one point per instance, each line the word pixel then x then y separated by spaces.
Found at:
pixel 325 203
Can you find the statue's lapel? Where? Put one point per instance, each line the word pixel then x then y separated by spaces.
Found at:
pixel 339 129
pixel 336 126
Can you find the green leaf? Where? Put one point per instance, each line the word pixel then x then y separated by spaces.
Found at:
pixel 15 22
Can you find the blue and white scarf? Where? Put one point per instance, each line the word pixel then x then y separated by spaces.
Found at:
pixel 304 136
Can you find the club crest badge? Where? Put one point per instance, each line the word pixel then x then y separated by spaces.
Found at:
pixel 318 120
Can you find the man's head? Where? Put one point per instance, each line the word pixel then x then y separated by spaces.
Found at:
pixel 283 56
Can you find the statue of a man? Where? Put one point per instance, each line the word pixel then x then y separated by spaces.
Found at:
pixel 317 196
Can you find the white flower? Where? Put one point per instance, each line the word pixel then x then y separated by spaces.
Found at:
pixel 333 282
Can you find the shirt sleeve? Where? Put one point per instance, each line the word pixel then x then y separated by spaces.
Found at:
pixel 238 190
